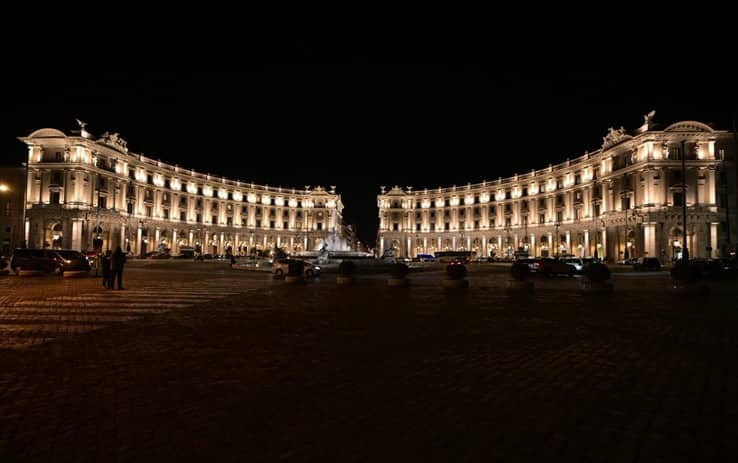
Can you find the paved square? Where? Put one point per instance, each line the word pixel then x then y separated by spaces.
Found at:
pixel 201 363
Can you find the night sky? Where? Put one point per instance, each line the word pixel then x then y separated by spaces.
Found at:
pixel 360 124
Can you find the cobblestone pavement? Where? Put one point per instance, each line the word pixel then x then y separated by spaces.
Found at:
pixel 200 363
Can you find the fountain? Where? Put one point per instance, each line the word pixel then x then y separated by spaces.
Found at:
pixel 333 249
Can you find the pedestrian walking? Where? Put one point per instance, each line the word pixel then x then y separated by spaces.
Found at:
pixel 117 262
pixel 106 262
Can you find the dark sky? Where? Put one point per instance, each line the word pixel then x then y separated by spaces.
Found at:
pixel 360 124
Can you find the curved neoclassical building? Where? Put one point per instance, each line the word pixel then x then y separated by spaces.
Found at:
pixel 624 200
pixel 86 192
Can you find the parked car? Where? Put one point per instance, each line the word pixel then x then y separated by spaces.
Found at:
pixel 281 266
pixel 645 264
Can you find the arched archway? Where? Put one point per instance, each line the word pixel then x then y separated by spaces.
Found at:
pixel 55 235
pixel 676 242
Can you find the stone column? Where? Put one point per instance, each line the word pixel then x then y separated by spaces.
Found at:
pixel 649 239
pixel 138 240
pixel 586 244
pixel 714 240
pixel 77 234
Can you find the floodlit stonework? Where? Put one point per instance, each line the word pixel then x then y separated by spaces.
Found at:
pixel 86 192
pixel 622 201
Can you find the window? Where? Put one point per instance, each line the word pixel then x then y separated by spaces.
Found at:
pixel 447 226
pixel 559 216
pixel 721 154
pixel 675 152
pixel 507 194
pixel 198 218
pixel 541 218
pixel 229 221
pixel 271 224
pixel 507 222
pixel 149 211
pixel 462 225
pixel 678 198
pixel 129 208
pixel 54 197
pixel 132 173
pixel 58 156
pixel 417 227
pixel 476 224
pixel 576 214
pixel 214 219
pixel 285 225
pixel 577 179
pixel 597 210
pixel 150 179
pixel 166 213
pixel 433 227
pixel 320 225
pixel 182 216
pixel 258 223
pixel 102 202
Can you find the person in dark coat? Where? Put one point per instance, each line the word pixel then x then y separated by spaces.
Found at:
pixel 105 262
pixel 117 263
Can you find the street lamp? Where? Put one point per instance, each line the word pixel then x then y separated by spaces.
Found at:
pixel 625 195
pixel 556 231
pixel 685 251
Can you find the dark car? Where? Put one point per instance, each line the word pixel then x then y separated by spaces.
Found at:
pixel 49 260
pixel 68 261
pixel 549 267
pixel 36 260
pixel 646 264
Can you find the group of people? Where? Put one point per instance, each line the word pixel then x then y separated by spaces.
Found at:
pixel 112 268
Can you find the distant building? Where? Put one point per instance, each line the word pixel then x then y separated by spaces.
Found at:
pixel 12 188
pixel 623 200
pixel 90 193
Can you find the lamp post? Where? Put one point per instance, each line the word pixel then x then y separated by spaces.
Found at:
pixel 595 203
pixel 685 251
pixel 625 195
pixel 556 231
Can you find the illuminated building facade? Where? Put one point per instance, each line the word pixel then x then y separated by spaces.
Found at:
pixel 622 201
pixel 12 188
pixel 90 193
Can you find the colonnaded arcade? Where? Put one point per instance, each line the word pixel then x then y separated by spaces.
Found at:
pixel 622 201
pixel 86 192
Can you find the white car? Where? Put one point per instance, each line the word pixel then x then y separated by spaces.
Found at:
pixel 281 267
